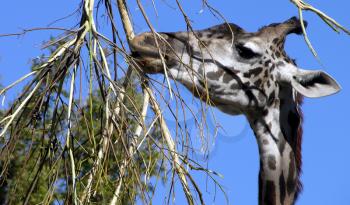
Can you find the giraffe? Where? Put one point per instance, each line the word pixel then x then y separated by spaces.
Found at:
pixel 246 73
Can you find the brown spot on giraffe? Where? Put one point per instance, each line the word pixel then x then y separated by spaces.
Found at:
pixel 213 75
pixel 282 188
pixel 272 162
pixel 258 82
pixel 265 142
pixel 253 72
pixel 268 83
pixel 227 78
pixel 270 193
pixel 291 185
pixel 278 54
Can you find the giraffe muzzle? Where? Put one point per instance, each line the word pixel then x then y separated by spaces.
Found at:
pixel 146 51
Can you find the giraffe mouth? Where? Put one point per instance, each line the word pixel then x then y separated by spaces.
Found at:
pixel 148 62
pixel 146 52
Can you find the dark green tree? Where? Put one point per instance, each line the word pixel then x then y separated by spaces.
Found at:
pixel 34 160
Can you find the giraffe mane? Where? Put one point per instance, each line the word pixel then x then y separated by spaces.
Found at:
pixel 299 137
pixel 292 129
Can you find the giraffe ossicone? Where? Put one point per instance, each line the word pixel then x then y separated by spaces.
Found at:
pixel 246 73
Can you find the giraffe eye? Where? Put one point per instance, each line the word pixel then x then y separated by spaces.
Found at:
pixel 246 52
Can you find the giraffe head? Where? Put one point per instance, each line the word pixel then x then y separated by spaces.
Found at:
pixel 240 71
pixel 245 73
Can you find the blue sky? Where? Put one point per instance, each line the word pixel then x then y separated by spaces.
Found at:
pixel 234 153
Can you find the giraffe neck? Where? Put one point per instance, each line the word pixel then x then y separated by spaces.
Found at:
pixel 276 131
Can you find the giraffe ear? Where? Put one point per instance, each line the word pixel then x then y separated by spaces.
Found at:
pixel 314 84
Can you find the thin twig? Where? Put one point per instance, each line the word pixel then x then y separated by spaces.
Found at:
pixel 302 5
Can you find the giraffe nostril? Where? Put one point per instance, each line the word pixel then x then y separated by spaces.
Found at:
pixel 166 57
pixel 135 54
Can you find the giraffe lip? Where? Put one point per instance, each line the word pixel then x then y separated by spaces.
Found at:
pixel 150 62
pixel 143 54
